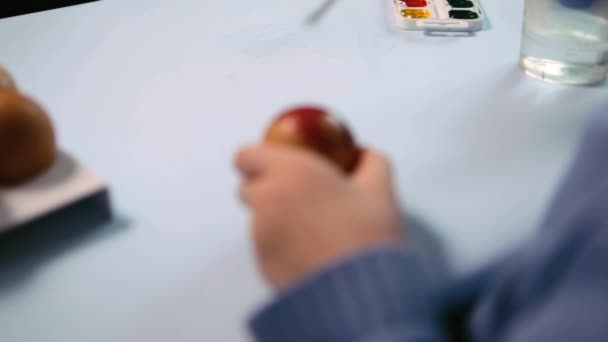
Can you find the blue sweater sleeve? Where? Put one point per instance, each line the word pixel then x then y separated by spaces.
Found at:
pixel 567 278
pixel 575 307
pixel 555 289
pixel 383 295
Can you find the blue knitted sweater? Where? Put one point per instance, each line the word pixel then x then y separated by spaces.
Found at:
pixel 553 289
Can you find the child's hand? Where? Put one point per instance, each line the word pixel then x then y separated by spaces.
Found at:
pixel 307 214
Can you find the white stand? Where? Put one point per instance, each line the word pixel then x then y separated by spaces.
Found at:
pixel 66 184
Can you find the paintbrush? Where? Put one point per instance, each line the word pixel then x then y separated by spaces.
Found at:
pixel 320 12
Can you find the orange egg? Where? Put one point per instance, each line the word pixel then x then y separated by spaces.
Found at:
pixel 27 139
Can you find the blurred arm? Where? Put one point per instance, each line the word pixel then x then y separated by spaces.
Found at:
pixel 383 295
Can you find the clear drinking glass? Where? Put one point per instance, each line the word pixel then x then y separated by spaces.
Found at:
pixel 566 41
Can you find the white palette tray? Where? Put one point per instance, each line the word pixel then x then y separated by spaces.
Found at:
pixel 67 183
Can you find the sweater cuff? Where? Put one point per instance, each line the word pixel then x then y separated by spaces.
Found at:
pixel 370 293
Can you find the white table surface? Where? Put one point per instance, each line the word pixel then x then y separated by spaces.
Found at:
pixel 156 96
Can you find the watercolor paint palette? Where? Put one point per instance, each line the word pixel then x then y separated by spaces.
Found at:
pixel 438 15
